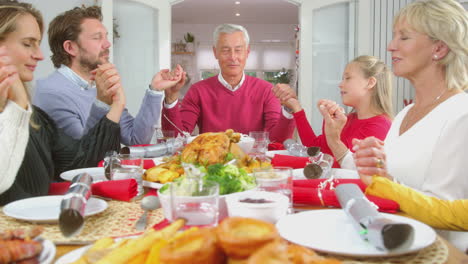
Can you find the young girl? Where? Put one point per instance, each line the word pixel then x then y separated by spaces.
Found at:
pixel 367 88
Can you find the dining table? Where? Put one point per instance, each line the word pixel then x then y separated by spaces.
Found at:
pixel 452 254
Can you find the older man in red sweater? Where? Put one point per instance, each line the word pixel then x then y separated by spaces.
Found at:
pixel 231 99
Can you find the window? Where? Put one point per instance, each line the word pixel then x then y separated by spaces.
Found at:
pixel 281 76
pixel 251 73
pixel 205 74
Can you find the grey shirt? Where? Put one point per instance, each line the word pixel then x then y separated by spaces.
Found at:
pixel 72 104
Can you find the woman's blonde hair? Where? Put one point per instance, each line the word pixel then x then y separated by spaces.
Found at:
pixel 447 21
pixel 10 12
pixel 381 98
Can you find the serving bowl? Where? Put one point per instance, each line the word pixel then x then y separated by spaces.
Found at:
pixel 165 199
pixel 271 211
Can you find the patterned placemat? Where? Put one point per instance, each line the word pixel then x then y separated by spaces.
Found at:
pixel 437 253
pixel 117 220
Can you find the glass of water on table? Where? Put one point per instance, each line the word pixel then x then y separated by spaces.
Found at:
pixel 127 166
pixel 277 179
pixel 196 201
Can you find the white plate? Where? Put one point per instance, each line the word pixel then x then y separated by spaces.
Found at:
pixel 97 173
pixel 270 154
pixel 331 231
pixel 159 160
pixel 48 252
pixel 153 185
pixel 46 209
pixel 72 256
pixel 298 174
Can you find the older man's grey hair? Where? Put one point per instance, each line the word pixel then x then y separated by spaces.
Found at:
pixel 228 29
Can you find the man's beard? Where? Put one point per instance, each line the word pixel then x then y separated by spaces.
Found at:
pixel 89 63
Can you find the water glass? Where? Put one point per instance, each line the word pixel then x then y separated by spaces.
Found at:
pixel 127 166
pixel 161 136
pixel 320 166
pixel 260 145
pixel 278 179
pixel 195 201
pixel 107 162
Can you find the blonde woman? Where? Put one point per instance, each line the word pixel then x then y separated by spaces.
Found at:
pixel 427 147
pixel 366 86
pixel 49 151
pixel 15 113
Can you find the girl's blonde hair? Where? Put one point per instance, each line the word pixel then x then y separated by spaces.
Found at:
pixel 446 21
pixel 381 98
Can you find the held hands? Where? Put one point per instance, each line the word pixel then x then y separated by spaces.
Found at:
pixel 335 118
pixel 110 90
pixel 284 92
pixel 11 86
pixel 107 83
pixel 170 81
pixel 370 159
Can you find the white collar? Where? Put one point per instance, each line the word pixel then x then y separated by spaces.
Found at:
pixel 75 78
pixel 227 85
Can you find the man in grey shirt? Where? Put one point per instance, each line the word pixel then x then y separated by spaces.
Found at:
pixel 77 99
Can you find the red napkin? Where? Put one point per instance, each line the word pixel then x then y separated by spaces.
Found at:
pixel 275 146
pixel 289 161
pixel 314 183
pixel 147 163
pixel 123 190
pixel 310 194
pixel 161 224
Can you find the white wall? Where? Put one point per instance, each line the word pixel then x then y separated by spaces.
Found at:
pixel 266 40
pixel 135 55
pixel 50 9
pixel 257 32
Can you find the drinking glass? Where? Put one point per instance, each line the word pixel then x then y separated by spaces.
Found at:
pixel 127 166
pixel 260 145
pixel 107 162
pixel 278 179
pixel 320 166
pixel 161 136
pixel 195 201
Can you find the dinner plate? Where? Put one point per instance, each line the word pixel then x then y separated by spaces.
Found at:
pixel 270 154
pixel 331 231
pixel 97 173
pixel 154 185
pixel 46 209
pixel 72 256
pixel 298 174
pixel 48 252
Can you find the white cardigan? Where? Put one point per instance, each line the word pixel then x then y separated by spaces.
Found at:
pixel 14 135
pixel 432 156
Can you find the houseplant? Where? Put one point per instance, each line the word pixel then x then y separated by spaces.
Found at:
pixel 189 39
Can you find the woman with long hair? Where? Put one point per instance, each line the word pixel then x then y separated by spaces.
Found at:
pixel 427 147
pixel 49 151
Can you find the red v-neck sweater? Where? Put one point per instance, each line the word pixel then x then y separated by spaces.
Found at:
pixel 376 126
pixel 214 108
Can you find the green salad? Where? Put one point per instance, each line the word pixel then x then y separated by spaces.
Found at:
pixel 230 178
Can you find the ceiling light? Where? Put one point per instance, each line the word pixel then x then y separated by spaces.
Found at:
pixel 237 14
pixel 237 3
